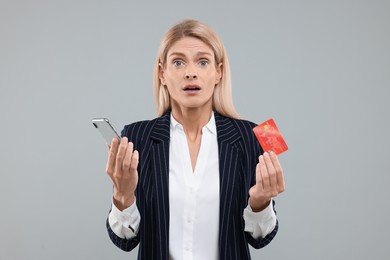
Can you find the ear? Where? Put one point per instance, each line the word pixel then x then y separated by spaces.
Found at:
pixel 219 73
pixel 161 74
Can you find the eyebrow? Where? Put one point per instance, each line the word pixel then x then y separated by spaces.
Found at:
pixel 200 53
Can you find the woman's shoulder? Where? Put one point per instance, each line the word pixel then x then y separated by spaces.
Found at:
pixel 228 126
pixel 245 128
pixel 144 127
pixel 245 123
pixel 239 122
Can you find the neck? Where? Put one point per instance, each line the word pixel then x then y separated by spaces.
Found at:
pixel 192 120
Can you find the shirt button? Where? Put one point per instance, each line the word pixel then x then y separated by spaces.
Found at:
pixel 189 220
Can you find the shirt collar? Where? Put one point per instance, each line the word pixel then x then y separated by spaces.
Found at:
pixel 211 126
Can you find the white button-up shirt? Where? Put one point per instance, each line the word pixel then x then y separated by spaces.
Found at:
pixel 192 193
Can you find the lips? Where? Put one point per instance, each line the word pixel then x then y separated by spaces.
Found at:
pixel 191 88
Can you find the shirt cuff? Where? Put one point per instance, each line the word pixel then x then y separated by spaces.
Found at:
pixel 124 223
pixel 259 224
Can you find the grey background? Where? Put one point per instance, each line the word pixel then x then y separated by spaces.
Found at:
pixel 319 68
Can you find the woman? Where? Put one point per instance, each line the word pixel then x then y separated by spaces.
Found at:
pixel 193 183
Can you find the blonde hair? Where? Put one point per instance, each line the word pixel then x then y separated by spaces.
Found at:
pixel 222 96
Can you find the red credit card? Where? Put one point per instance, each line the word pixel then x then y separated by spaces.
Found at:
pixel 270 137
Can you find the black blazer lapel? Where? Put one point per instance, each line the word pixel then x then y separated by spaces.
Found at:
pixel 229 165
pixel 159 152
pixel 228 135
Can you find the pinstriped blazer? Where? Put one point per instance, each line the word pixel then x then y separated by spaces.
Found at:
pixel 238 155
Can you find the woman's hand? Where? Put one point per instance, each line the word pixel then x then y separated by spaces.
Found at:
pixel 122 168
pixel 269 181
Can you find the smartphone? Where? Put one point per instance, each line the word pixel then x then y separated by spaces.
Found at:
pixel 105 128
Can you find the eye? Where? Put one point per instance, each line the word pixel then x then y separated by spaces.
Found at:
pixel 203 63
pixel 178 63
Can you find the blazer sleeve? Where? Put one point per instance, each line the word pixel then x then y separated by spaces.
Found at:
pixel 255 150
pixel 122 243
pixel 262 242
pixel 131 132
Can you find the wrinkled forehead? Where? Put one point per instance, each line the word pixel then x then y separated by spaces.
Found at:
pixel 188 46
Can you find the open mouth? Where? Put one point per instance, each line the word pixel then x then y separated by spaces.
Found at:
pixel 191 88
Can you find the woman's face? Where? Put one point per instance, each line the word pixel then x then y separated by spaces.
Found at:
pixel 190 74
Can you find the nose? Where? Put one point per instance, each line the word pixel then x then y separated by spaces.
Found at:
pixel 190 73
pixel 191 76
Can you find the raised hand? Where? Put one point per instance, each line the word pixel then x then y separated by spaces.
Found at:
pixel 121 167
pixel 269 181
